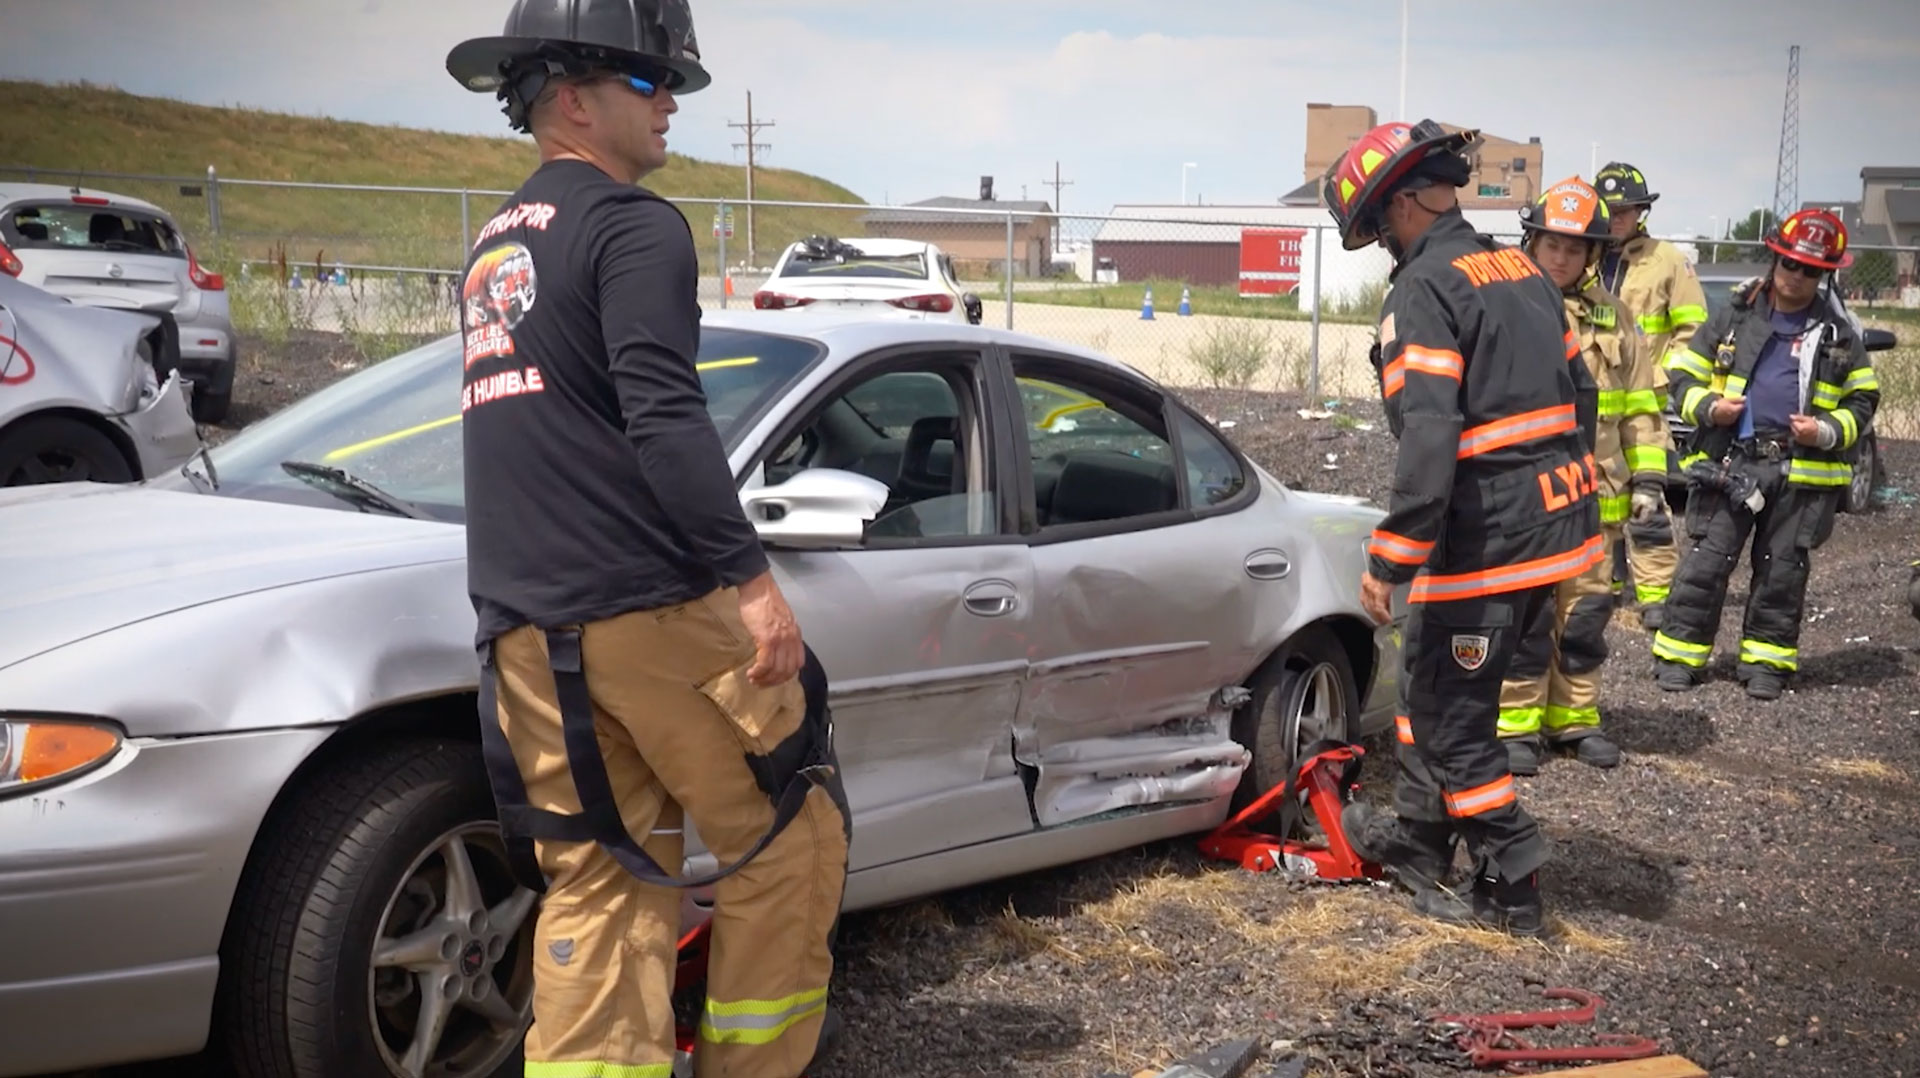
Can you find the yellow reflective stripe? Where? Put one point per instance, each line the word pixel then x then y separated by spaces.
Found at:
pixel 1692 458
pixel 1655 323
pixel 1615 508
pixel 1754 651
pixel 758 1021
pixel 1565 718
pixel 1849 427
pixel 1860 378
pixel 1679 651
pixel 375 443
pixel 1642 402
pixel 1688 361
pixel 1819 473
pixel 1736 384
pixel 1690 403
pixel 1686 315
pixel 1613 402
pixel 597 1068
pixel 1651 593
pixel 1520 720
pixel 1646 458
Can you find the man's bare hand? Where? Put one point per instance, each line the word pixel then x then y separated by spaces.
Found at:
pixel 776 635
pixel 1726 411
pixel 1376 598
pixel 1806 430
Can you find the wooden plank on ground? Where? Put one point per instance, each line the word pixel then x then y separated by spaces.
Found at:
pixel 1651 1067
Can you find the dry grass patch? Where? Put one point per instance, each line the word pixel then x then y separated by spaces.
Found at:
pixel 1873 770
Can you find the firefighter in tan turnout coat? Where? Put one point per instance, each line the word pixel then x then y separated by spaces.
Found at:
pixel 1551 696
pixel 1657 284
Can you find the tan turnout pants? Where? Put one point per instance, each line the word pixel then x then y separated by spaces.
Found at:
pixel 676 718
pixel 1553 686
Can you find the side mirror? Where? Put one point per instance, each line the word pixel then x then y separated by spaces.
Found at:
pixel 1878 340
pixel 972 304
pixel 818 508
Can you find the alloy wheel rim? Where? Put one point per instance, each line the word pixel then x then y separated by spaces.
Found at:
pixel 450 978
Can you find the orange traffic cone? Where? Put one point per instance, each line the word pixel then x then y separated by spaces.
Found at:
pixel 729 282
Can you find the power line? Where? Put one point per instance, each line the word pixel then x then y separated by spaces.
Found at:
pixel 751 128
pixel 1056 183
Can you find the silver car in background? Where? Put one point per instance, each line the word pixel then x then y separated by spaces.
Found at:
pixel 80 394
pixel 108 250
pixel 1062 614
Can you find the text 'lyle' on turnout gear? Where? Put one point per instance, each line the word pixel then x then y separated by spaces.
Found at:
pixel 1769 485
pixel 544 39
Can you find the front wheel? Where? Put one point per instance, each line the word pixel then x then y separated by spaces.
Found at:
pixel 379 931
pixel 1303 695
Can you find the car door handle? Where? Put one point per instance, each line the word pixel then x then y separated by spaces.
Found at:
pixel 1268 564
pixel 991 598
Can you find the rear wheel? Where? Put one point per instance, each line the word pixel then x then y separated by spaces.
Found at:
pixel 1866 473
pixel 379 931
pixel 1305 693
pixel 58 449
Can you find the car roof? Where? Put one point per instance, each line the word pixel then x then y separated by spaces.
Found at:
pixel 11 193
pixel 877 245
pixel 852 334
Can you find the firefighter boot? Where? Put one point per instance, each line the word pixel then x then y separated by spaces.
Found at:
pixel 1653 616
pixel 1418 853
pixel 1594 749
pixel 1765 686
pixel 1673 677
pixel 1514 907
pixel 1524 754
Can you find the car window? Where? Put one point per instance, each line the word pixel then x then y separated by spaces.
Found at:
pixel 1094 458
pixel 70 226
pixel 1214 474
pixel 914 431
pixel 836 258
pixel 397 424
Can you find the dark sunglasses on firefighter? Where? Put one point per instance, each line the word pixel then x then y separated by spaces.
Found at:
pixel 1794 265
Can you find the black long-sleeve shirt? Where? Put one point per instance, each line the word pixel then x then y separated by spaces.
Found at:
pixel 596 483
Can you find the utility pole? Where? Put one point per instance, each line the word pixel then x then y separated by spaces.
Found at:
pixel 1786 175
pixel 750 127
pixel 1402 114
pixel 1056 183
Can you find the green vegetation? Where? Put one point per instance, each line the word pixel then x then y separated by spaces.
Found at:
pixel 49 128
pixel 1207 299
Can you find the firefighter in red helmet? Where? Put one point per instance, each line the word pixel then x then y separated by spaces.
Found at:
pixel 1779 384
pixel 1493 505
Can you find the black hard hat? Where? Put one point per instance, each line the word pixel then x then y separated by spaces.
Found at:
pixel 1623 185
pixel 545 38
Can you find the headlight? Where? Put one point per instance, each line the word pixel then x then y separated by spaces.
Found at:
pixel 41 752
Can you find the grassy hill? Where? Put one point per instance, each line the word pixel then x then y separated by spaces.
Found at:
pixel 50 128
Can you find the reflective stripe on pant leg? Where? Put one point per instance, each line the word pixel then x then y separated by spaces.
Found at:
pixel 1520 721
pixel 758 1021
pixel 1759 653
pixel 1560 719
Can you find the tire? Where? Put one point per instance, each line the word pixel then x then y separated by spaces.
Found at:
pixel 1313 672
pixel 58 449
pixel 1866 470
pixel 355 855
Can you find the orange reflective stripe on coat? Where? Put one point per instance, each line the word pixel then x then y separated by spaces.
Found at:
pixel 1493 795
pixel 1573 346
pixel 1398 548
pixel 1423 360
pixel 1405 726
pixel 1435 587
pixel 1525 427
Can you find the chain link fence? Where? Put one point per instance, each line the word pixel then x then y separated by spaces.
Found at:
pixel 1252 298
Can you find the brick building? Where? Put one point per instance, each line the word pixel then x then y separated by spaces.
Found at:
pixel 978 241
pixel 1506 173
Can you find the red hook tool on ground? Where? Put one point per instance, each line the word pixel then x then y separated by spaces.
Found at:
pixel 1481 1036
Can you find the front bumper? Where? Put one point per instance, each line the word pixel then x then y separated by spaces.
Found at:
pixel 114 891
pixel 163 432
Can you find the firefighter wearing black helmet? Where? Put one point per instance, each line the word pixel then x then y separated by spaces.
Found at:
pixel 1492 507
pixel 640 669
pixel 1779 384
pixel 1657 283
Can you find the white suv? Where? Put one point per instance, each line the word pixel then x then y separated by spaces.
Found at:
pixel 106 250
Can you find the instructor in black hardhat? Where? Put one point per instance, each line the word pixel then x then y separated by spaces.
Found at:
pixel 638 662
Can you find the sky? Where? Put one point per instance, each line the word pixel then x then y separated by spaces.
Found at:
pixel 901 100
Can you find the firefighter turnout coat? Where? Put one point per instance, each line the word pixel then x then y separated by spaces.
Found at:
pixel 1657 284
pixel 1494 490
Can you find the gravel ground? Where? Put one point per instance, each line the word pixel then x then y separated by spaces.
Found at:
pixel 1739 890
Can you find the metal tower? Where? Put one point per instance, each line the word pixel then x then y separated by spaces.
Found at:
pixel 1786 177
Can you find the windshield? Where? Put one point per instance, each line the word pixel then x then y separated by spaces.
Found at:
pixel 85 228
pixel 896 267
pixel 397 424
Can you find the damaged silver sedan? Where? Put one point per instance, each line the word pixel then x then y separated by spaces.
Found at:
pixel 1063 615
